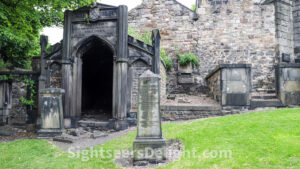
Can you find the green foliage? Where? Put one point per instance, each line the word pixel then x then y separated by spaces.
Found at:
pixel 21 22
pixel 146 38
pixel 193 7
pixel 29 83
pixel 166 59
pixel 5 77
pixel 5 65
pixel 188 58
pixel 31 86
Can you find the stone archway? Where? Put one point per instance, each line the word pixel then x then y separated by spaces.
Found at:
pixel 97 81
pixel 94 82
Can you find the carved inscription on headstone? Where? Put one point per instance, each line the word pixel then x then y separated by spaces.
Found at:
pixel 51 112
pixel 136 73
pixel 148 107
pixel 149 134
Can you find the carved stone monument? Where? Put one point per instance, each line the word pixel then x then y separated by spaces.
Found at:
pixel 51 112
pixel 149 144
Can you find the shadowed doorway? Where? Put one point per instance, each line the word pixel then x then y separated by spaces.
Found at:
pixel 97 82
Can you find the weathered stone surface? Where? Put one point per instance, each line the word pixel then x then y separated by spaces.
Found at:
pixel 186 79
pixel 63 138
pixel 289 83
pixel 188 68
pixel 223 33
pixel 149 124
pixel 98 134
pixel 51 110
pixel 149 134
pixel 235 87
pixel 6 132
pixel 231 84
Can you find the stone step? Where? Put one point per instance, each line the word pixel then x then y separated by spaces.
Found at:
pixel 261 90
pixel 255 103
pixel 264 96
pixel 92 123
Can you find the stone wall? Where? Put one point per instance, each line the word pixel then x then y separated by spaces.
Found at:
pixel 284 30
pixel 214 86
pixel 233 31
pixel 173 113
pixel 163 80
pixel 296 31
pixel 18 112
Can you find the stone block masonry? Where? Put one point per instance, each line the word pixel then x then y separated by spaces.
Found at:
pixel 230 32
pixel 289 83
pixel 230 84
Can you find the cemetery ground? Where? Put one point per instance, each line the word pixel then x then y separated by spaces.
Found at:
pixel 265 139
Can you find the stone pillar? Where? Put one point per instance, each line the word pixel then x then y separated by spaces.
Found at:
pixel 5 101
pixel 52 121
pixel 42 77
pixel 149 143
pixel 284 30
pixel 120 93
pixel 66 69
pixel 296 31
pixel 156 46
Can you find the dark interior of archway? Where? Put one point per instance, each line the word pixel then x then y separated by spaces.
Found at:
pixel 97 82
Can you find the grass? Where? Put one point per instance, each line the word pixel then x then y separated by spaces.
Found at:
pixel 269 139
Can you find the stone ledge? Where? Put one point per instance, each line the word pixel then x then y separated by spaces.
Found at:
pixel 222 66
pixel 192 115
pixel 189 108
pixel 289 65
pixel 18 72
pixel 140 45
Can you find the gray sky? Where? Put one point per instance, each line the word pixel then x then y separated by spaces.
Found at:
pixel 55 34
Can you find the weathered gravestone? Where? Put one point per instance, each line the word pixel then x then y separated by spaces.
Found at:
pixel 51 112
pixel 149 144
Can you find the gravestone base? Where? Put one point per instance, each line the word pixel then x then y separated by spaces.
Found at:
pixel 149 149
pixel 121 125
pixel 49 133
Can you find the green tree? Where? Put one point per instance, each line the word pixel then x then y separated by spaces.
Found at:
pixel 21 22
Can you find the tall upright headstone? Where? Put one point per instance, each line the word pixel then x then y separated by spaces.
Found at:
pixel 149 144
pixel 51 112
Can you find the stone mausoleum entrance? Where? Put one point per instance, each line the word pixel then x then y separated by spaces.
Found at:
pixel 97 66
pixel 97 81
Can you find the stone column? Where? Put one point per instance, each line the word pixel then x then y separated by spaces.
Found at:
pixel 5 101
pixel 66 69
pixel 51 112
pixel 120 93
pixel 149 143
pixel 42 77
pixel 156 46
